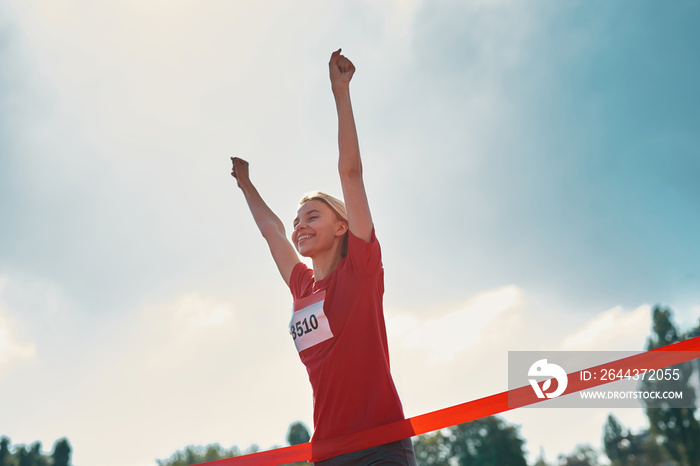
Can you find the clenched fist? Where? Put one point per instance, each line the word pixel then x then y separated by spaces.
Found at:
pixel 341 70
pixel 240 171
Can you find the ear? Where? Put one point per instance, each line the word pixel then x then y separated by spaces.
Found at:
pixel 342 228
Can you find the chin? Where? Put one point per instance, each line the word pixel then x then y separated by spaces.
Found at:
pixel 304 252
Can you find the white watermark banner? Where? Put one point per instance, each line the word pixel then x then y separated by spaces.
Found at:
pixel 604 379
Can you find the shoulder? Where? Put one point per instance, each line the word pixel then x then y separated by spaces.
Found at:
pixel 363 256
pixel 301 280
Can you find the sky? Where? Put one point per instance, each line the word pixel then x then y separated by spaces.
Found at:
pixel 531 167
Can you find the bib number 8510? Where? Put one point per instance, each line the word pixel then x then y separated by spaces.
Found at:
pixel 309 325
pixel 303 327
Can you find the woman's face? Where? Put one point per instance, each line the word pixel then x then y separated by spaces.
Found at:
pixel 316 228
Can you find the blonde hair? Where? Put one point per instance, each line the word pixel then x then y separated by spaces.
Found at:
pixel 337 206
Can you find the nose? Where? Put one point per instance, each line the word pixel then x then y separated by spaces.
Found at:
pixel 299 226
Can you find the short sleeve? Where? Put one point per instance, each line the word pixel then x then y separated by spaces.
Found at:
pixel 301 280
pixel 363 256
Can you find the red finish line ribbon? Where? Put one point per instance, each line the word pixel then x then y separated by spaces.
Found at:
pixel 655 359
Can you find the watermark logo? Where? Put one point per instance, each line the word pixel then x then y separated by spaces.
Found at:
pixel 601 379
pixel 542 368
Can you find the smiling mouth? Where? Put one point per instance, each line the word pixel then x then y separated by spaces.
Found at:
pixel 303 238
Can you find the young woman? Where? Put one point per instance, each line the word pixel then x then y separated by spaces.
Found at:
pixel 338 321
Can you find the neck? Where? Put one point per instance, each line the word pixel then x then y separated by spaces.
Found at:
pixel 325 264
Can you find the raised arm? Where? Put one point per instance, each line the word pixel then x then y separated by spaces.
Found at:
pixel 349 162
pixel 269 224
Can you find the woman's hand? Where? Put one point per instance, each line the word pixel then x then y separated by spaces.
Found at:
pixel 341 70
pixel 240 171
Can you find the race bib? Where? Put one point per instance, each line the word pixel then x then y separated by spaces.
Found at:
pixel 309 325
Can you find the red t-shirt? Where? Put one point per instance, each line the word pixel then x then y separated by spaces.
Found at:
pixel 338 328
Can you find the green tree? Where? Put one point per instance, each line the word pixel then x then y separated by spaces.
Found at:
pixel 32 455
pixel 677 429
pixel 431 449
pixel 36 457
pixel 613 436
pixel 484 442
pixel 61 453
pixel 488 441
pixel 5 455
pixel 583 455
pixel 22 456
pixel 298 433
pixel 623 448
pixel 214 452
pixel 540 461
pixel 201 454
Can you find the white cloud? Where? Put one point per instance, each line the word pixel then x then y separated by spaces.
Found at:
pixel 442 339
pixel 463 356
pixel 612 330
pixel 198 310
pixel 398 16
pixel 695 315
pixel 172 335
pixel 10 349
pixel 195 369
